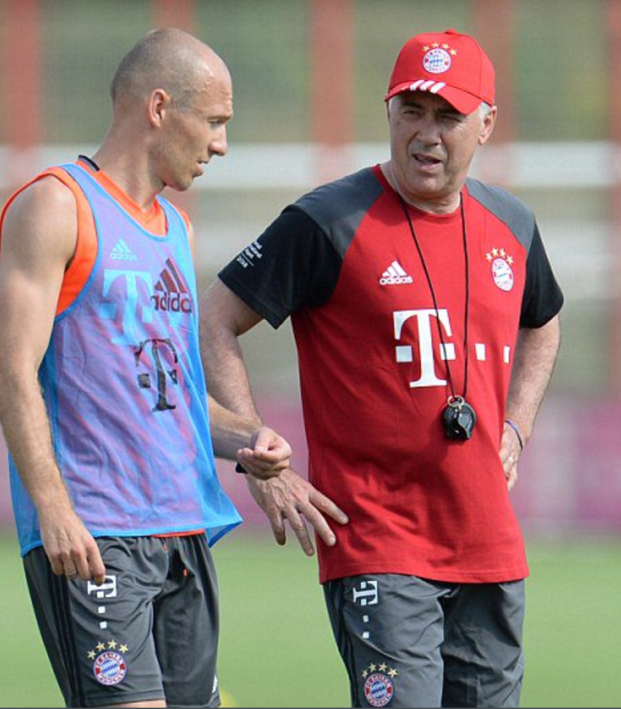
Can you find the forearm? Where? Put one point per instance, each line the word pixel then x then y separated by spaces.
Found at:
pixel 27 433
pixel 227 377
pixel 230 431
pixel 535 356
pixel 69 546
pixel 225 370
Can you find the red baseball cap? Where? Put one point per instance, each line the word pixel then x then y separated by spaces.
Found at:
pixel 449 64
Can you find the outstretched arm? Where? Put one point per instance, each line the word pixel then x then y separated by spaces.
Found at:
pixel 535 355
pixel 38 241
pixel 224 318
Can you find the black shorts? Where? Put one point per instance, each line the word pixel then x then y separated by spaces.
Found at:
pixel 409 642
pixel 149 632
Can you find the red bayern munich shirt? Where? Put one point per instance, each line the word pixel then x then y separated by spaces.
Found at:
pixel 374 360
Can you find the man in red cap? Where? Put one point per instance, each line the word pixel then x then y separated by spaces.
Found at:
pixel 426 317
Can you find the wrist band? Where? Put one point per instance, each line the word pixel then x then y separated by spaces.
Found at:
pixel 509 422
pixel 239 469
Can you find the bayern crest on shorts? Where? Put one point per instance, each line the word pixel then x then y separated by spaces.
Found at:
pixel 378 689
pixel 110 667
pixel 109 663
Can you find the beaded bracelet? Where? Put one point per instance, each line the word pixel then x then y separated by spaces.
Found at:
pixel 509 422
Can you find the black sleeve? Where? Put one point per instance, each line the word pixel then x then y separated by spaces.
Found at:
pixel 543 297
pixel 292 265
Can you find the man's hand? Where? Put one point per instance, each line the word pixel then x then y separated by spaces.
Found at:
pixel 70 547
pixel 290 497
pixel 510 450
pixel 269 455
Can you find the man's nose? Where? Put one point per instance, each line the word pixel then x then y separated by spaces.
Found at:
pixel 218 144
pixel 428 129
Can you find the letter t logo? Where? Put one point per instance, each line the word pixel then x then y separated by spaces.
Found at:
pixel 404 353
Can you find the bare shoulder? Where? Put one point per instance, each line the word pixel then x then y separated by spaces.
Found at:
pixel 46 194
pixel 41 220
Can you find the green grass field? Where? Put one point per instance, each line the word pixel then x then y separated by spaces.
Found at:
pixel 277 650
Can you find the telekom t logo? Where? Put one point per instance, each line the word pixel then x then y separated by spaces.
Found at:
pixel 366 594
pixel 425 320
pixel 106 590
pixel 132 309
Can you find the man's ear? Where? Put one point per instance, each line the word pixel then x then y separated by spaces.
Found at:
pixel 159 103
pixel 489 123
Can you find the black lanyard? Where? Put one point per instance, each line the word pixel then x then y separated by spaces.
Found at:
pixel 459 417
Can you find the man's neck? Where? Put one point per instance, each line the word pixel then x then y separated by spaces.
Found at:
pixel 441 205
pixel 129 171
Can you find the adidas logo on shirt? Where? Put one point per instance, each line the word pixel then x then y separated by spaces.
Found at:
pixel 171 293
pixel 394 275
pixel 122 252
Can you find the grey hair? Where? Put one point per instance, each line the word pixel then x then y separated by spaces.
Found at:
pixel 484 110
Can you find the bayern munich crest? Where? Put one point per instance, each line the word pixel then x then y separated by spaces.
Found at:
pixel 502 273
pixel 110 665
pixel 110 668
pixel 378 689
pixel 378 686
pixel 438 58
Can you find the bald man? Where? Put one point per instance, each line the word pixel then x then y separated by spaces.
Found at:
pixel 103 400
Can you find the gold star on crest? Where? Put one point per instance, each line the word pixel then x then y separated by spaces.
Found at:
pixel 454 52
pixel 495 253
pixel 123 648
pixel 101 646
pixel 426 48
pixel 112 644
pixel 435 45
pixel 382 667
pixel 91 654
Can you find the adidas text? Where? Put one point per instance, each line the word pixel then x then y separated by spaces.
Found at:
pixel 172 302
pixel 395 280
